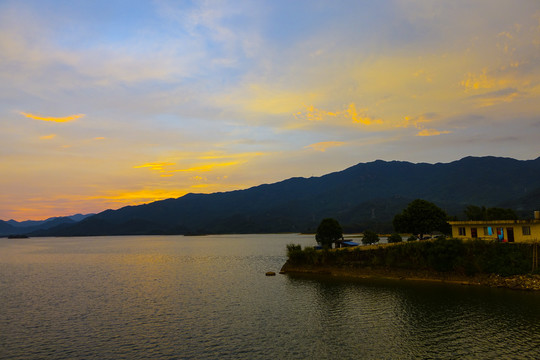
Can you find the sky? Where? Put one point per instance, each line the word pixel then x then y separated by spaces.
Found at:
pixel 108 103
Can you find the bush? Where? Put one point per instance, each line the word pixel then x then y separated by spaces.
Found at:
pixel 505 259
pixel 311 256
pixel 295 253
pixel 412 238
pixel 446 255
pixel 395 238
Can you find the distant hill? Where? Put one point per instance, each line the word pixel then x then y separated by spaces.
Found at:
pixel 12 227
pixel 365 196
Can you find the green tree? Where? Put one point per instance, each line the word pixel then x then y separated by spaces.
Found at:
pixel 421 217
pixel 394 238
pixel 328 232
pixel 370 237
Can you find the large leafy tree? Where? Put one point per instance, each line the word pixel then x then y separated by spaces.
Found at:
pixel 328 232
pixel 421 217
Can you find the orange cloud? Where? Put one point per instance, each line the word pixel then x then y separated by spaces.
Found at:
pixel 155 166
pixel 200 163
pixel 322 146
pixel 139 196
pixel 496 97
pixel 53 119
pixel 207 167
pixel 431 132
pixel 314 114
pixel 215 156
pixel 482 81
pixel 360 116
pixel 47 137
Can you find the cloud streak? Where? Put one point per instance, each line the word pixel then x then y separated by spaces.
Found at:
pixel 324 145
pixel 53 119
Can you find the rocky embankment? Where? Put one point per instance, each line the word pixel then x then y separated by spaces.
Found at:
pixel 529 282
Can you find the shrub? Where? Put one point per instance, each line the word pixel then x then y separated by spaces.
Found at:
pixel 465 257
pixel 294 253
pixel 412 238
pixel 395 238
pixel 311 256
pixel 446 255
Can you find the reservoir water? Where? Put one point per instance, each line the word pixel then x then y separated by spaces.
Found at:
pixel 207 297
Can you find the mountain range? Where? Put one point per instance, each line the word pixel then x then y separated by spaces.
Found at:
pixel 12 227
pixel 364 196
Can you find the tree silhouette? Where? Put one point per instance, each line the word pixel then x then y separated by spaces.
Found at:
pixel 421 217
pixel 328 232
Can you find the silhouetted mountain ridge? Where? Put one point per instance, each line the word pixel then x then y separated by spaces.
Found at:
pixel 12 227
pixel 367 195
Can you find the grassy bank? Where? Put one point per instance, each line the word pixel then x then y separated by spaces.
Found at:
pixel 466 261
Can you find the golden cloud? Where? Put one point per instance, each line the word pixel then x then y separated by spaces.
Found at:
pixel 47 137
pixel 219 155
pixel 496 97
pixel 265 99
pixel 139 196
pixel 53 119
pixel 155 166
pixel 200 162
pixel 313 114
pixel 431 132
pixel 349 115
pixel 322 146
pixel 478 81
pixel 361 118
pixel 207 167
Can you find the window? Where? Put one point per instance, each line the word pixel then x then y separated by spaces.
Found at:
pixel 474 233
pixel 461 231
pixel 526 230
pixel 488 231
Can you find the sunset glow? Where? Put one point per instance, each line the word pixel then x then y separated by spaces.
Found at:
pixel 112 104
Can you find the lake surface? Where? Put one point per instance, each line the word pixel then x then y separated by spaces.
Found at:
pixel 207 297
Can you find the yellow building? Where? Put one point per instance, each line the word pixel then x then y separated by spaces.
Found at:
pixel 502 230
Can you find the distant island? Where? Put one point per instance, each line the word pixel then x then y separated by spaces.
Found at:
pixel 18 236
pixel 364 196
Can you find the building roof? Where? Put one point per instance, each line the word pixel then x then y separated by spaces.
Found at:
pixel 490 222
